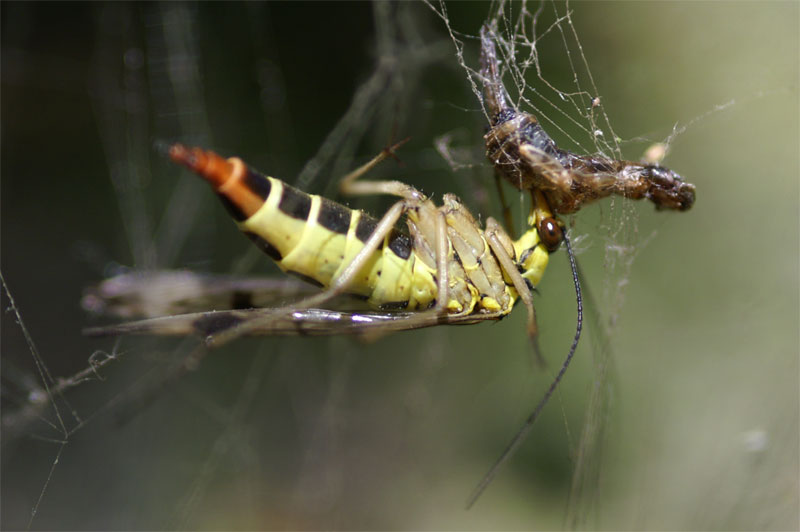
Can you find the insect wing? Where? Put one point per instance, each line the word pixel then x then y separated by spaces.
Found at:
pixel 155 293
pixel 300 322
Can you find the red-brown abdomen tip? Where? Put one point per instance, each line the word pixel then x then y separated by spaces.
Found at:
pixel 207 164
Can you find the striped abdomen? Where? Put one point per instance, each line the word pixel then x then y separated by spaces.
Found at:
pixel 313 237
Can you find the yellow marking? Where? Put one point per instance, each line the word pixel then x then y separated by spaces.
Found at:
pixel 271 224
pixel 536 262
pixel 309 249
pixel 317 254
pixel 423 290
pixel 394 283
pixel 491 304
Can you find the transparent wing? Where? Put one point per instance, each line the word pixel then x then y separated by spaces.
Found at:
pixel 585 489
pixel 301 322
pixel 177 303
pixel 153 293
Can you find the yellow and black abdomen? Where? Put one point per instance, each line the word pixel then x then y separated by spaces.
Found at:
pixel 315 239
pixel 312 237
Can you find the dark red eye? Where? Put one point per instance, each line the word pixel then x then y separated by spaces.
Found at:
pixel 550 233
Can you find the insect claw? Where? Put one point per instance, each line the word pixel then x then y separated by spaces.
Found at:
pixel 390 151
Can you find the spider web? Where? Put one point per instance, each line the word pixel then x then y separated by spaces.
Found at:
pixel 571 109
pixel 165 71
pixel 313 434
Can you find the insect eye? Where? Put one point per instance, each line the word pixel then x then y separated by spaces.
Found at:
pixel 550 233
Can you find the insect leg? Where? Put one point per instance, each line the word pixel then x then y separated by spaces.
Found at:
pixel 524 291
pixel 438 313
pixel 350 187
pixel 413 199
pixel 491 231
pixel 362 170
pixel 338 286
pixel 443 284
pixel 507 219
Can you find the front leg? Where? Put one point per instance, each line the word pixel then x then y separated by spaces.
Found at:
pixel 338 287
pixel 495 236
pixel 349 187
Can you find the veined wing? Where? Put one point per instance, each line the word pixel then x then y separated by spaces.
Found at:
pixel 177 303
pixel 585 490
pixel 300 322
pixel 155 293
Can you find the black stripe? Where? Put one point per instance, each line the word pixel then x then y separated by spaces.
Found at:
pixel 394 305
pixel 257 183
pixel 366 226
pixel 232 208
pixel 334 217
pixel 295 203
pixel 400 244
pixel 305 278
pixel 264 246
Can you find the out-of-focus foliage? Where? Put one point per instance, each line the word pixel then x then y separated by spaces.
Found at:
pixel 308 433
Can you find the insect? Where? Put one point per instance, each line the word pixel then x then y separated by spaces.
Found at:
pixel 527 157
pixel 445 270
pixel 524 154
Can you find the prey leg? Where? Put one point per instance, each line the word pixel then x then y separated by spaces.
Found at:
pixel 338 287
pixel 492 233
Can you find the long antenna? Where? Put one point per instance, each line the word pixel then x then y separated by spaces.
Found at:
pixel 517 440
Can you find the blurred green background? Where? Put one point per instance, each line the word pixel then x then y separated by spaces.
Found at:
pixel 702 428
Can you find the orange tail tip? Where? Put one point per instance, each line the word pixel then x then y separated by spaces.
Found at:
pixel 207 164
pixel 242 192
